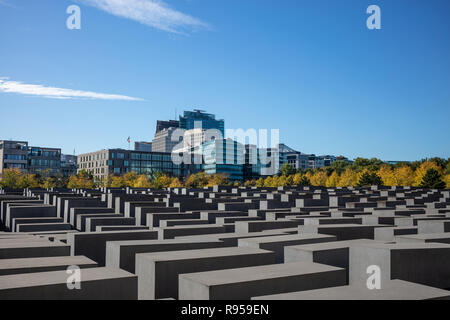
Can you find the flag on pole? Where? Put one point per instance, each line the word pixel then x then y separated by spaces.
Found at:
pixel 129 139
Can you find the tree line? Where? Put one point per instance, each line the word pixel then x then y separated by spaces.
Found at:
pixel 430 173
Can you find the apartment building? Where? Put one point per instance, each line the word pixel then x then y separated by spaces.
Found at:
pixel 119 161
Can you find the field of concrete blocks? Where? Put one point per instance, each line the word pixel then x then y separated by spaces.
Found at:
pixel 224 243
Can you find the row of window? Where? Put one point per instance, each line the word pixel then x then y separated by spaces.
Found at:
pixel 47 154
pixel 17 146
pixel 15 165
pixel 44 163
pixel 15 157
pixel 99 156
pixel 123 156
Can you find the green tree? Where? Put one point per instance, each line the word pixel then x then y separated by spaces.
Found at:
pixel 432 179
pixel 286 170
pixel 339 166
pixel 369 179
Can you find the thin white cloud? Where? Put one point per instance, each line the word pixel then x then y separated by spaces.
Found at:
pixel 153 13
pixel 57 93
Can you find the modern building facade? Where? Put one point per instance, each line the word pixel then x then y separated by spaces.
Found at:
pixel 44 161
pixel 41 161
pixel 304 161
pixel 103 163
pixel 143 146
pixel 68 165
pixel 163 140
pixel 225 157
pixel 200 119
pixel 13 154
pixel 164 125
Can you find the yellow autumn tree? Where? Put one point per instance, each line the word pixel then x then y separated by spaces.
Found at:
pixel 250 183
pixel 268 182
pixel 218 180
pixel 259 183
pixel 142 181
pixel 275 182
pixel 309 175
pixel 404 176
pixel 161 181
pixel 422 170
pixel 28 181
pixel 48 183
pixel 348 178
pixel 83 180
pixel 176 183
pixel 332 180
pixel 130 178
pixel 286 181
pixel 319 179
pixel 447 181
pixel 297 179
pixel 387 175
pixel 117 182
pixel 10 178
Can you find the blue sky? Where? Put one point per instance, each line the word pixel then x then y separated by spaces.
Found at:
pixel 310 68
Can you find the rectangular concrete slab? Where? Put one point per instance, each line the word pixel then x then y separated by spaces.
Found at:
pixel 391 290
pixel 245 283
pixel 179 231
pixel 122 254
pixel 424 263
pixel 96 284
pixel 158 272
pixel 278 243
pixel 93 244
pixel 31 249
pixel 45 264
pixel 425 237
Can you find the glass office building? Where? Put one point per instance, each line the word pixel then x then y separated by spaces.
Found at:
pixel 44 161
pixel 199 119
pixel 119 161
pixel 224 156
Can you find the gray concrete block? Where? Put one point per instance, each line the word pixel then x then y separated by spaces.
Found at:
pixel 81 219
pixel 122 254
pixel 154 218
pixel 343 231
pixel 245 283
pixel 158 272
pixel 93 244
pixel 389 234
pixel 119 228
pixel 258 226
pixel 26 248
pixel 17 221
pixel 392 290
pixel 433 226
pixel 93 222
pixel 96 284
pixel 426 264
pixel 74 212
pixel 180 231
pixel 28 212
pixel 43 264
pixel 278 243
pixel 425 238
pixel 38 227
